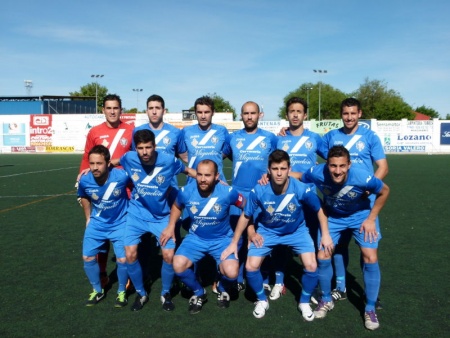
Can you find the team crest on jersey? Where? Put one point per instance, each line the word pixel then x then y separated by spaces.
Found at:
pixel 270 209
pixel 166 141
pixel 117 192
pixel 105 143
pixel 217 208
pixel 194 142
pixel 214 139
pixel 291 207
pixel 94 196
pixel 239 145
pixel 194 209
pixel 123 142
pixel 160 179
pixel 135 177
pixel 308 145
pixel 263 145
pixel 360 145
pixel 352 194
pixel 285 147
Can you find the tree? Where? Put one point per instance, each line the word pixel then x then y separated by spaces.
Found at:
pixel 330 100
pixel 427 111
pixel 221 105
pixel 381 103
pixel 91 89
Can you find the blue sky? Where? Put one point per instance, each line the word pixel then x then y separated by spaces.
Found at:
pixel 241 49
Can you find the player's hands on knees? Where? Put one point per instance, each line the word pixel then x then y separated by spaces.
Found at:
pixel 166 235
pixel 326 243
pixel 231 249
pixel 256 239
pixel 370 231
pixel 264 180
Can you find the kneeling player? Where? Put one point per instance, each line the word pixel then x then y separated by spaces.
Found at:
pixel 207 203
pixel 281 221
pixel 104 200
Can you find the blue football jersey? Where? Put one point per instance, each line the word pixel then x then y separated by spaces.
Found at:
pixel 364 146
pixel 302 149
pixel 210 216
pixel 348 198
pixel 108 201
pixel 283 213
pixel 152 184
pixel 250 155
pixel 166 138
pixel 204 144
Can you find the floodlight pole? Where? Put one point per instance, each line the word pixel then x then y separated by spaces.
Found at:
pixel 320 71
pixel 96 76
pixel 137 90
pixel 308 89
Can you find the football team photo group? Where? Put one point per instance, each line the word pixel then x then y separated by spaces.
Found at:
pixel 296 193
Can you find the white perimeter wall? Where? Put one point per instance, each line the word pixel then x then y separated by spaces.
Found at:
pixel 67 133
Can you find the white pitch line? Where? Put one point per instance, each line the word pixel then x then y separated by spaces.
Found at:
pixel 37 172
pixel 34 196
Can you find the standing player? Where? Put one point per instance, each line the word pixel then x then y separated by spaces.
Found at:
pixel 151 172
pixel 365 149
pixel 249 150
pixel 166 140
pixel 344 191
pixel 116 136
pixel 302 145
pixel 205 140
pixel 166 135
pixel 282 222
pixel 104 199
pixel 208 203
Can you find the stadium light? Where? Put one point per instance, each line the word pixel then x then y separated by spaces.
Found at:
pixel 308 89
pixel 320 71
pixel 137 90
pixel 96 76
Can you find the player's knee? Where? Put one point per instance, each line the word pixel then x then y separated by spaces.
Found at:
pixel 231 269
pixel 121 260
pixel 179 264
pixel 370 255
pixel 88 258
pixel 251 267
pixel 168 256
pixel 131 254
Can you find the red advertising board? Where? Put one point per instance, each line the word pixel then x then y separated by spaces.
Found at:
pixel 41 130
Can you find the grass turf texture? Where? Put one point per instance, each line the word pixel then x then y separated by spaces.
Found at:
pixel 44 286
